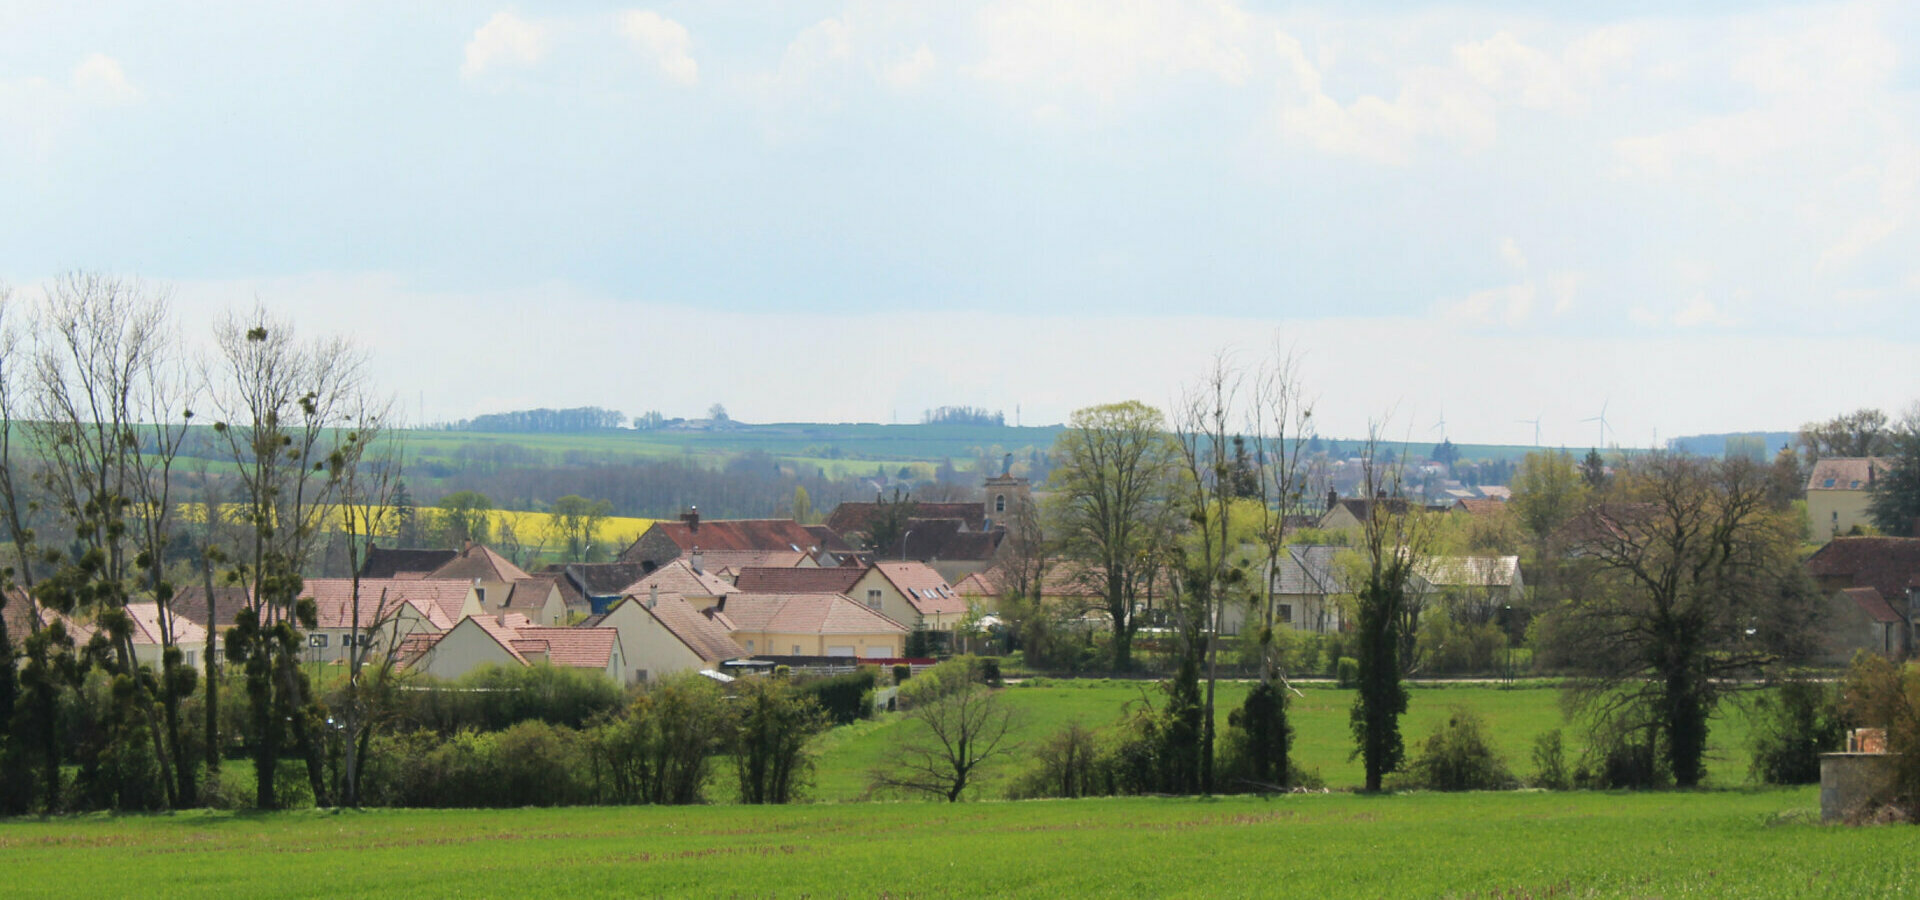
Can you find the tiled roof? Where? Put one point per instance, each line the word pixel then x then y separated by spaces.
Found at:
pixel 857 518
pixel 1312 569
pixel 702 635
pixel 1480 507
pixel 679 577
pixel 923 587
pixel 382 562
pixel 19 612
pixel 1469 571
pixel 736 534
pixel 1606 522
pixel 600 579
pixel 977 584
pixel 715 560
pixel 191 603
pixel 1874 605
pixel 532 591
pixel 1361 508
pixel 829 580
pixel 577 648
pixel 1886 564
pixel 1845 473
pixel 438 600
pixel 804 614
pixel 829 540
pixel 479 561
pixel 147 630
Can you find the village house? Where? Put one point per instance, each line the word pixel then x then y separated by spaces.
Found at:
pixel 662 634
pixel 389 611
pixel 912 594
pixel 728 543
pixel 1838 493
pixel 810 625
pixel 1309 587
pixel 512 640
pixel 1847 568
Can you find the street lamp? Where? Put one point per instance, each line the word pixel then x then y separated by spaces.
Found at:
pixel 903 542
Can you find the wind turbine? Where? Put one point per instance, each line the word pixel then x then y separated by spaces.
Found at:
pixel 1602 419
pixel 1441 426
pixel 1535 422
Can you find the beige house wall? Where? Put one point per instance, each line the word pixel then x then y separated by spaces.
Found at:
pixel 465 648
pixel 865 646
pixel 652 652
pixel 1831 513
pixel 406 621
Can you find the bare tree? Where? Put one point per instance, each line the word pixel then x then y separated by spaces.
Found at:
pixel 280 403
pixel 1686 581
pixel 962 728
pixel 364 466
pixel 1027 558
pixel 109 407
pixel 1206 572
pixel 1282 421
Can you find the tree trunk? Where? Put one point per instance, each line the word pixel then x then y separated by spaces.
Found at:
pixel 213 671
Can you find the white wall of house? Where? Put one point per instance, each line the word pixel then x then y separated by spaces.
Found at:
pixel 464 648
pixel 652 652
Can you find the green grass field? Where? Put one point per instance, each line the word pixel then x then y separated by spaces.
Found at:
pixel 1531 844
pixel 1321 736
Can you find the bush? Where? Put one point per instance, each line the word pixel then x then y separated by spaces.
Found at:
pixel 493 698
pixel 1071 762
pixel 1550 762
pixel 1791 728
pixel 1622 759
pixel 1258 739
pixel 989 670
pixel 530 763
pixel 1458 757
pixel 1347 674
pixel 772 723
pixel 902 672
pixel 845 699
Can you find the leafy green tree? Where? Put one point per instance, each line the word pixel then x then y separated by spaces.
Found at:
pixel 1895 500
pixel 574 521
pixel 408 530
pixel 1593 470
pixel 771 727
pixel 1112 486
pixel 1863 432
pixel 802 505
pixel 1547 491
pixel 464 516
pixel 1445 453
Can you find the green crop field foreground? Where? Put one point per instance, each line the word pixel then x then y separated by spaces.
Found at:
pixel 1528 844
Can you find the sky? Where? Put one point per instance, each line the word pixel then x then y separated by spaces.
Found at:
pixel 1699 217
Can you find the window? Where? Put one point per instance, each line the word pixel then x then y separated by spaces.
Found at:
pixel 749 646
pixel 1286 614
pixel 1828 483
pixel 317 641
pixel 873 598
pixel 999 503
pixel 796 649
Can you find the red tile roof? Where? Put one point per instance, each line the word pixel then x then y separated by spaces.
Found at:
pixel 715 560
pixel 804 614
pixel 1845 473
pixel 704 636
pixel 1480 507
pixel 438 600
pixel 679 578
pixel 736 534
pixel 1874 605
pixel 147 630
pixel 479 561
pixel 923 587
pixel 1886 564
pixel 574 648
pixel 767 580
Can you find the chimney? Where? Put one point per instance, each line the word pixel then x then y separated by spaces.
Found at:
pixel 698 560
pixel 653 595
pixel 466 547
pixel 692 518
pixel 1333 498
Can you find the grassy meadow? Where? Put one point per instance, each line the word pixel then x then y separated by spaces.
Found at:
pixel 1322 740
pixel 1534 844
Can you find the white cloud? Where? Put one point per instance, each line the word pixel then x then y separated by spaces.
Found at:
pixel 506 39
pixel 1510 251
pixel 99 79
pixel 909 71
pixel 1697 311
pixel 665 41
pixel 1100 49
